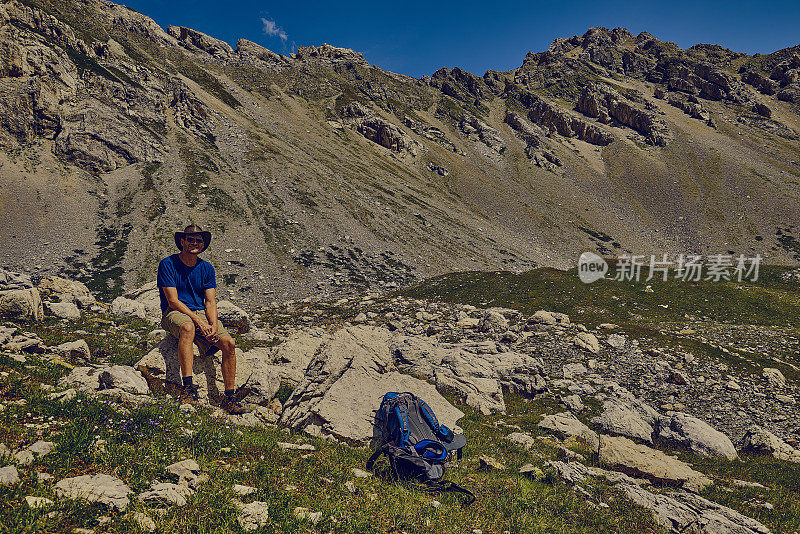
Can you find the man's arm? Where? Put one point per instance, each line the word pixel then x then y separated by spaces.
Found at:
pixel 211 312
pixel 171 293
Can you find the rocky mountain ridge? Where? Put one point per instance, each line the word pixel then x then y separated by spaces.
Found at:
pixel 318 172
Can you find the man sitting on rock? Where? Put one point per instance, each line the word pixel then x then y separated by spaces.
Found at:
pixel 187 286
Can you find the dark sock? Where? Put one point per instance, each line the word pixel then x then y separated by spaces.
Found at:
pixel 188 381
pixel 229 393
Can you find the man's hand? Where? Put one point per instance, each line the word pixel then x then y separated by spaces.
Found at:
pixel 214 335
pixel 205 328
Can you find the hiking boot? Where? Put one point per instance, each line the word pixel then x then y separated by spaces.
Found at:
pixel 189 395
pixel 232 406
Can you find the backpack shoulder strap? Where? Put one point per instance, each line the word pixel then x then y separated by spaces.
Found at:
pixel 447 485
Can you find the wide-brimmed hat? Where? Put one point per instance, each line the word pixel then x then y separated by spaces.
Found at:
pixel 193 229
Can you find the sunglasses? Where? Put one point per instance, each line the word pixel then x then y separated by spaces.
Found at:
pixel 194 239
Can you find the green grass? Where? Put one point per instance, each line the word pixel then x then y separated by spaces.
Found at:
pixel 139 442
pixel 769 301
pixel 119 341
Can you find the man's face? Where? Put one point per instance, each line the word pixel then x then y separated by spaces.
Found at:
pixel 192 243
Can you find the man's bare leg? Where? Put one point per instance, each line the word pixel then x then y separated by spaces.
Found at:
pixel 228 347
pixel 185 349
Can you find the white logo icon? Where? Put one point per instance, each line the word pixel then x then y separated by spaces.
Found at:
pixel 591 267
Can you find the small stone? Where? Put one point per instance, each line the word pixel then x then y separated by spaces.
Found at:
pixel 144 521
pixel 37 502
pixel 254 515
pixel 351 487
pixel 489 463
pixel 573 402
pixel 435 504
pixel 42 448
pixel 9 475
pixel 616 340
pixel 296 446
pixel 360 473
pixel 733 385
pixel 774 377
pixel 167 493
pixel 587 341
pixel 243 490
pixel 304 513
pixel 24 458
pixel 522 440
pixel 531 471
pixel 44 477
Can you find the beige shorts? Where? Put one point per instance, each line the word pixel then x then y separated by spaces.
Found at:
pixel 172 321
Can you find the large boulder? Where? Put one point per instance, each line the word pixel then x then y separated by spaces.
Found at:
pixel 478 371
pixel 232 316
pixel 684 512
pixel 162 364
pixel 293 355
pixel 67 291
pixel 762 441
pixel 625 415
pixel 128 308
pixel 148 296
pixel 21 304
pixel 62 310
pixel 93 379
pixel 566 425
pixel 697 435
pixel 345 382
pixel 636 460
pixel 13 280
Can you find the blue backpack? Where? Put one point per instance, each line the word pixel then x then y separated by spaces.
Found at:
pixel 415 443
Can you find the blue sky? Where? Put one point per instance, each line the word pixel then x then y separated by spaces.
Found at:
pixel 417 38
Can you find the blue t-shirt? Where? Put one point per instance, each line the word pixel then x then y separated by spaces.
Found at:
pixel 191 282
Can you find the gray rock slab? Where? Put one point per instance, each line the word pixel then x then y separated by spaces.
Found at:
pixel 104 489
pixel 624 455
pixel 697 435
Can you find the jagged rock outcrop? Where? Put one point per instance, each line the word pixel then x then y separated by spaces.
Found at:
pixel 189 111
pixel 553 119
pixel 760 82
pixel 606 104
pixel 477 130
pixel 195 41
pixel 263 57
pixel 377 129
pixel 787 74
pixel 478 373
pixel 460 84
pixel 326 53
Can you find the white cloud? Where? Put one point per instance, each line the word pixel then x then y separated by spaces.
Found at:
pixel 272 29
